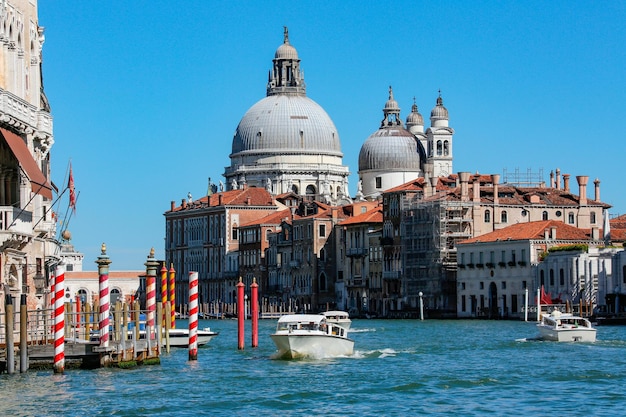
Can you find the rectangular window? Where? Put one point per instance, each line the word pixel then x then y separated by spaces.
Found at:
pixel 513 303
pixel 322 230
pixel 379 182
pixel 482 285
pixel 504 285
pixel 462 303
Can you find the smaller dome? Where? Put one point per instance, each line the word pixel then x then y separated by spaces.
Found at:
pixel 391 106
pixel 439 111
pixel 414 118
pixel 286 51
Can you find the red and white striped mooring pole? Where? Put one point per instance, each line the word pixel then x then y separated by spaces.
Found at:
pixel 59 319
pixel 193 316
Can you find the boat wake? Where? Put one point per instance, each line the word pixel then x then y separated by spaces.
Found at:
pixel 378 353
pixel 353 330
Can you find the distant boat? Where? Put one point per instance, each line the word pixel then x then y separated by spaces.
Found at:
pixel 564 327
pixel 180 337
pixel 310 335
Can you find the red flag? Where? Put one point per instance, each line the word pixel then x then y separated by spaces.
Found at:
pixel 545 298
pixel 70 185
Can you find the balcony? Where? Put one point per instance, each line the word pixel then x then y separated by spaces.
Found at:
pixel 391 274
pixel 356 252
pixel 23 114
pixel 16 227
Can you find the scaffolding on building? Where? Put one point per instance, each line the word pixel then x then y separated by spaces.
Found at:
pixel 528 180
pixel 430 232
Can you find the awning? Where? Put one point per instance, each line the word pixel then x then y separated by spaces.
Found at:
pixel 38 181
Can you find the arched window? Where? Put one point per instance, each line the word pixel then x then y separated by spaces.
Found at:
pixel 561 277
pixel 323 282
pixel 446 147
pixel 542 277
pixel 310 190
pixel 544 215
pixel 322 254
pixel 439 150
pixel 552 277
pixel 487 216
pixel 503 217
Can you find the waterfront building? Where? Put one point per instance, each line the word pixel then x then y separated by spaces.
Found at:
pixel 28 247
pixel 359 272
pixel 424 220
pixel 394 155
pixel 497 268
pixel 203 236
pixel 254 243
pixel 84 286
pixel 286 142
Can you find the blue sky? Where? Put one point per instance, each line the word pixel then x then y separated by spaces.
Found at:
pixel 146 95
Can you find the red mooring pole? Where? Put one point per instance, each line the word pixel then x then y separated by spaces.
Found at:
pixel 254 312
pixel 241 314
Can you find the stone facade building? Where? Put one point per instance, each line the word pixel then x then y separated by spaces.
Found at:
pixel 28 248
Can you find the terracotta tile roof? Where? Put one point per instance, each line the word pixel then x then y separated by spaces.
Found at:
pixel 273 218
pixel 253 196
pixel 618 228
pixel 509 194
pixel 372 216
pixel 533 230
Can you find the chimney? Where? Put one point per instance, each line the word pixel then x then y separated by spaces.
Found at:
pixel 595 233
pixel 546 234
pixel 172 205
pixel 476 190
pixel 248 201
pixel 333 212
pixel 566 183
pixel 596 183
pixel 427 191
pixel 184 203
pixel 495 179
pixel 464 178
pixel 433 184
pixel 558 178
pixel 219 199
pixel 582 189
pixel 553 232
pixel 551 179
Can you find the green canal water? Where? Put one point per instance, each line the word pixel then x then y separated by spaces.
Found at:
pixel 400 368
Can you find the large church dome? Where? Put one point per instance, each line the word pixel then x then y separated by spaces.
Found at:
pixel 286 123
pixel 286 142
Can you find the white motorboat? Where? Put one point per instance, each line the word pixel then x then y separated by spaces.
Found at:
pixel 565 327
pixel 341 318
pixel 180 337
pixel 310 335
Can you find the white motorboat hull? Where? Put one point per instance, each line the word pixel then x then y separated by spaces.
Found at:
pixel 293 345
pixel 180 337
pixel 580 334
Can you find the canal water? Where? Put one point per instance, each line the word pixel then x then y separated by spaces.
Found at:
pixel 400 368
